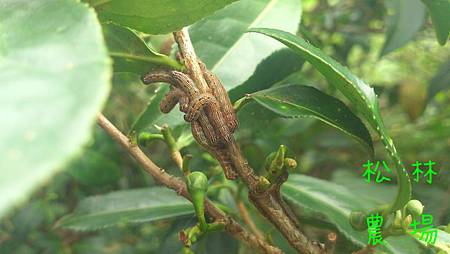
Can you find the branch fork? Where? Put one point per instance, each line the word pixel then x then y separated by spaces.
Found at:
pixel 207 107
pixel 222 119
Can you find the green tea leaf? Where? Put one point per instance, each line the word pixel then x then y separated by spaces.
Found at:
pixel 336 202
pixel 404 20
pixel 130 206
pixel 55 79
pixel 221 42
pixel 152 112
pixel 130 53
pixel 183 136
pixel 359 93
pixel 156 16
pixel 94 169
pixel 439 12
pixel 293 101
pixel 271 70
pixel 440 81
pixel 353 180
pixel 442 240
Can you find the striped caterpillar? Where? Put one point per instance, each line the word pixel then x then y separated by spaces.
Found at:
pixel 174 96
pixel 219 92
pixel 211 114
pixel 217 151
pixel 222 97
pixel 199 103
pixel 182 82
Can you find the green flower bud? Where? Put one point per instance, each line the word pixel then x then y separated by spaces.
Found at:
pixel 398 219
pixel 290 164
pixel 358 220
pixel 414 208
pixel 406 222
pixel 263 184
pixel 197 184
pixel 274 164
pixel 269 160
pixel 278 161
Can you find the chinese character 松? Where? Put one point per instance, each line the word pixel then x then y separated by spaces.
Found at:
pixel 369 172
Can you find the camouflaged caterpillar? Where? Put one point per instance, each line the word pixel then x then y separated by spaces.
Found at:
pixel 221 95
pixel 209 102
pixel 174 96
pixel 219 152
pixel 197 104
pixel 175 78
pixel 181 81
pixel 211 114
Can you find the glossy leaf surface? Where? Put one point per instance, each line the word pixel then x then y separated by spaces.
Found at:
pixel 404 20
pixel 357 91
pixel 130 53
pixel 130 206
pixel 336 202
pixel 55 77
pixel 156 16
pixel 303 101
pixel 221 42
pixel 439 12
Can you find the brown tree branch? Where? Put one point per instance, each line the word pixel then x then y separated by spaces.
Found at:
pixel 172 182
pixel 190 59
pixel 268 202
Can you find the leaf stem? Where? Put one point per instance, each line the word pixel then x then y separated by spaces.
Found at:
pixel 158 60
pixel 172 144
